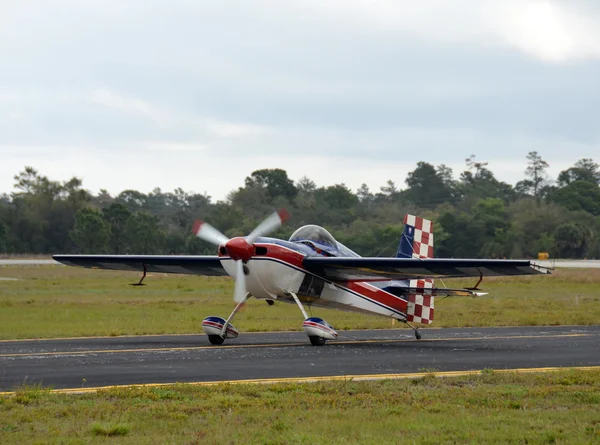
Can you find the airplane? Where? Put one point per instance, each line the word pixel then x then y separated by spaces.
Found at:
pixel 312 269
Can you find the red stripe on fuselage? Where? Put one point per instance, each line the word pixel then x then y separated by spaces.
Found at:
pixel 279 253
pixel 378 295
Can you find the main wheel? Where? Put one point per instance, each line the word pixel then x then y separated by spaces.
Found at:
pixel 215 339
pixel 418 335
pixel 317 341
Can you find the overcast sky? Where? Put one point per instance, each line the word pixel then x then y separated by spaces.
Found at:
pixel 196 94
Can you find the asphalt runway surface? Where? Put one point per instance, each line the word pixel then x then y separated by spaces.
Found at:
pixel 106 361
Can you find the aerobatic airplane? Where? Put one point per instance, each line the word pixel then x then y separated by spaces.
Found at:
pixel 313 269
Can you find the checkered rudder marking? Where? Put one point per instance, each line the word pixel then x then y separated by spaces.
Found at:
pixel 421 306
pixel 422 236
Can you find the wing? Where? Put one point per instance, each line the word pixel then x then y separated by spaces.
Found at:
pixel 183 264
pixel 381 269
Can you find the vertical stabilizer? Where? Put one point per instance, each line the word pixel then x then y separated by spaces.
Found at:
pixel 417 242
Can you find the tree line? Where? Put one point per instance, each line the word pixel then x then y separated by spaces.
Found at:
pixel 476 215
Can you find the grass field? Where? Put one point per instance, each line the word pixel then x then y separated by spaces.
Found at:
pixel 491 408
pixel 56 301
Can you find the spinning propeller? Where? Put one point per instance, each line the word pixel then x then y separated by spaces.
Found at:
pixel 240 249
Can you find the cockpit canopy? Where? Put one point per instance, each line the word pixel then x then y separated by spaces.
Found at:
pixel 317 238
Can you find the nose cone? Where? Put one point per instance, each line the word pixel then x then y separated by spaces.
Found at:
pixel 239 249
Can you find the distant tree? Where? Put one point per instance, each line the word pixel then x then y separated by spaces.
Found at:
pixel 132 199
pixel 389 189
pixel 338 196
pixel 531 223
pixel 475 216
pixel 186 207
pixel 3 237
pixel 157 203
pixel 578 195
pixel 305 204
pixel 275 181
pixel 583 170
pixel 446 174
pixel 336 204
pixel 116 216
pixel 144 234
pixel 27 181
pixel 91 232
pixel 363 194
pixel 306 185
pixel 536 173
pixel 72 190
pixel 464 237
pixel 491 215
pixel 366 199
pixel 428 187
pixel 571 240
pixel 253 202
pixel 226 218
pixel 478 182
pixel 104 199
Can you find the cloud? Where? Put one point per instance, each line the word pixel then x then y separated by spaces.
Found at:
pixel 174 147
pixel 111 99
pixel 233 129
pixel 16 115
pixel 153 93
pixel 553 31
pixel 550 31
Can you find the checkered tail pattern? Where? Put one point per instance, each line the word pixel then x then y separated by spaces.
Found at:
pixel 417 242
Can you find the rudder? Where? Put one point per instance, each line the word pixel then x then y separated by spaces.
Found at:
pixel 417 242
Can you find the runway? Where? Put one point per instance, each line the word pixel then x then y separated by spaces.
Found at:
pixel 105 361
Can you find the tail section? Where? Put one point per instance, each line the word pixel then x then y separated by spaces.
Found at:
pixel 417 242
pixel 417 239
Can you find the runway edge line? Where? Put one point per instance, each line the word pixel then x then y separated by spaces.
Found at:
pixel 359 377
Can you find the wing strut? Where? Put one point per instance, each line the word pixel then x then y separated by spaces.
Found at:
pixel 139 283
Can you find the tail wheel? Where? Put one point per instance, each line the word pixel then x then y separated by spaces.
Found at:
pixel 317 341
pixel 215 339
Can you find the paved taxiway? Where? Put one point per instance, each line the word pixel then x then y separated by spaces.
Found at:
pixel 95 362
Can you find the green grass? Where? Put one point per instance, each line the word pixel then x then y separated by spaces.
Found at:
pixel 103 429
pixel 55 301
pixel 491 408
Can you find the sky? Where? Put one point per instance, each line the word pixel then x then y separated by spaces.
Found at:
pixel 138 94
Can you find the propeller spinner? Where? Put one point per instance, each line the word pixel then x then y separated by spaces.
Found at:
pixel 240 249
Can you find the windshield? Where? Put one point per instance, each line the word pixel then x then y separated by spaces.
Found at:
pixel 316 237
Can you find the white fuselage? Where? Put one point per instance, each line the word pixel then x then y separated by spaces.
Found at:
pixel 272 277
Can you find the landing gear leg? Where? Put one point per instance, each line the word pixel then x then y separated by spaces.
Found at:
pixel 297 300
pixel 317 329
pixel 235 311
pixel 314 340
pixel 417 333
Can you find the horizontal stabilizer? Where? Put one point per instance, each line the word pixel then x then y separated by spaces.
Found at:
pixel 436 292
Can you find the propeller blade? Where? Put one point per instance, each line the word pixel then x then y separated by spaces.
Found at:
pixel 240 282
pixel 269 225
pixel 208 233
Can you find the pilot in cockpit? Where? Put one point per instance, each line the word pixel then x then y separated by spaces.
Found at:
pixel 317 238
